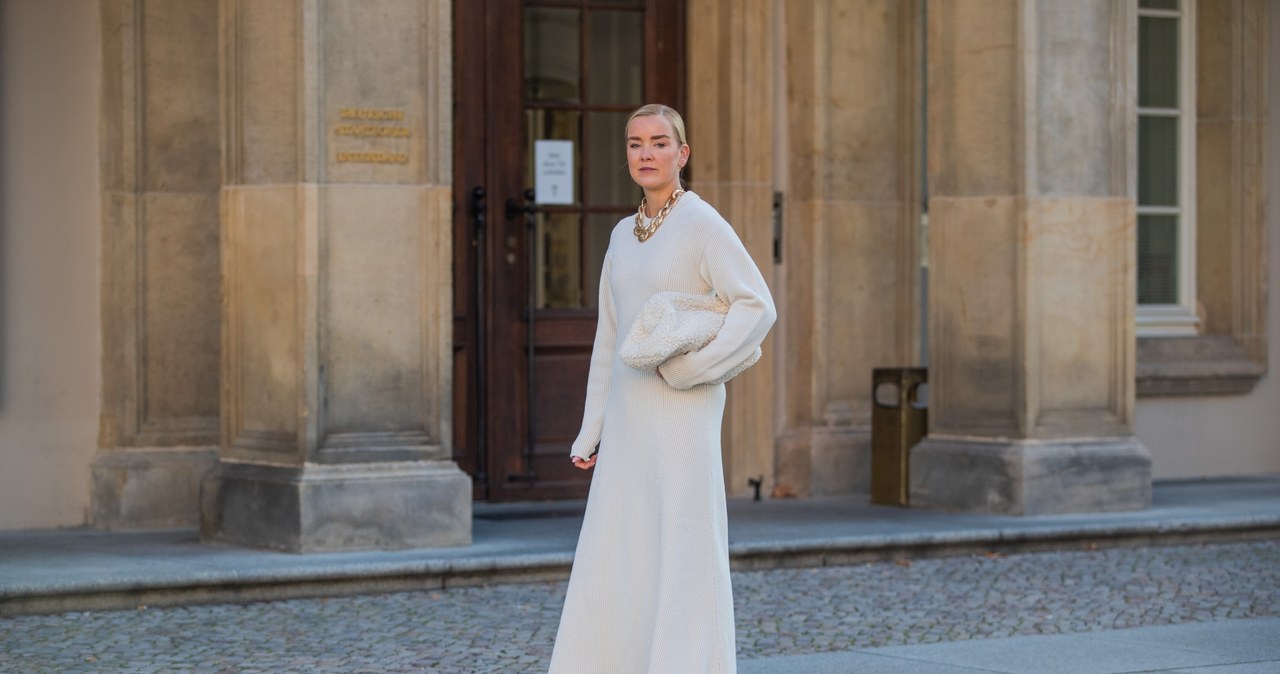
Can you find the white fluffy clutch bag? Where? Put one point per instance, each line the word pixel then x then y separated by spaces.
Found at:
pixel 674 323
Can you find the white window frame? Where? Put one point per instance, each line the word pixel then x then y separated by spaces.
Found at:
pixel 1181 319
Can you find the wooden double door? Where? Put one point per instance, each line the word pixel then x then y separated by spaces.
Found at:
pixel 542 91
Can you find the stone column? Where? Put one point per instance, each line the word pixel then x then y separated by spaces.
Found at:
pixel 851 243
pixel 1031 303
pixel 158 430
pixel 336 391
pixel 731 122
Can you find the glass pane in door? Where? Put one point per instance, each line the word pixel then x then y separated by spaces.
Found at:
pixel 608 182
pixel 599 227
pixel 553 125
pixel 615 72
pixel 552 71
pixel 558 272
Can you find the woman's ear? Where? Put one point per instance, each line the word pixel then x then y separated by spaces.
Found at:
pixel 684 155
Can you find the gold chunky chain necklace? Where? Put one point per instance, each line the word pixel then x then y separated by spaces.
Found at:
pixel 643 231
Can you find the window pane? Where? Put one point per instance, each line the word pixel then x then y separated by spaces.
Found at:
pixel 599 227
pixel 1157 259
pixel 609 182
pixel 1157 161
pixel 1157 62
pixel 1158 4
pixel 559 262
pixel 556 125
pixel 551 55
pixel 617 55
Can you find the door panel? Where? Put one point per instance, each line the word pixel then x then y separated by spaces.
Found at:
pixel 527 275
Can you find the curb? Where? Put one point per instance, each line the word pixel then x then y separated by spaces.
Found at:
pixel 140 591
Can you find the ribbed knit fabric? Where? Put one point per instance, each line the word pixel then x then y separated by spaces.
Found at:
pixel 650 589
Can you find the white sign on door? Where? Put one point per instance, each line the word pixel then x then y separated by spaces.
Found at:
pixel 553 171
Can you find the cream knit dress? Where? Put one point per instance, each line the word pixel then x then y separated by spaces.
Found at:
pixel 650 587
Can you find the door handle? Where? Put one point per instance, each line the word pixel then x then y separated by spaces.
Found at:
pixel 479 211
pixel 516 209
pixel 528 208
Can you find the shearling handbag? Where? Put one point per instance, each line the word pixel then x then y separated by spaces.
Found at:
pixel 674 323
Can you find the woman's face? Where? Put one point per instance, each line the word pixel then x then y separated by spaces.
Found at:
pixel 654 156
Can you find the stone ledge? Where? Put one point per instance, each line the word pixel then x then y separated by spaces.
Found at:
pixel 63 570
pixel 1195 366
pixel 822 461
pixel 336 573
pixel 839 551
pixel 148 487
pixel 266 584
pixel 1024 477
pixel 322 508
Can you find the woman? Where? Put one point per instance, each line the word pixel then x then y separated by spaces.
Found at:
pixel 650 590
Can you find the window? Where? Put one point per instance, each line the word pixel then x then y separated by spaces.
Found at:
pixel 1224 259
pixel 1166 169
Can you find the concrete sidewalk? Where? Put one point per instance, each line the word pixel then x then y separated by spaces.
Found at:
pixel 64 570
pixel 1226 647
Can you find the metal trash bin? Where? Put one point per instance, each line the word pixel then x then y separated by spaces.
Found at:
pixel 899 419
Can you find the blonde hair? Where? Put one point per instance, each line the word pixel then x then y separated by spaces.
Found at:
pixel 677 122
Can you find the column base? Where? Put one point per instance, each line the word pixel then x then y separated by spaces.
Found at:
pixel 823 461
pixel 320 508
pixel 148 487
pixel 1031 477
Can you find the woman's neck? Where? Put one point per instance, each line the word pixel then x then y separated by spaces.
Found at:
pixel 655 199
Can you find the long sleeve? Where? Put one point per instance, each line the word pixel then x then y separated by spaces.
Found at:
pixel 728 268
pixel 602 354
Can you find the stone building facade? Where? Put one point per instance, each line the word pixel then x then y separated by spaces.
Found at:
pixel 269 268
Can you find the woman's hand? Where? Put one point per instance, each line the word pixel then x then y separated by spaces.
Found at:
pixel 584 464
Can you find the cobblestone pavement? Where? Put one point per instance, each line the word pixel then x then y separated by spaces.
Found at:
pixel 510 628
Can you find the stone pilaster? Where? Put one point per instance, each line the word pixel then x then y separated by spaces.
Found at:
pixel 1031 302
pixel 336 385
pixel 851 247
pixel 731 119
pixel 158 432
